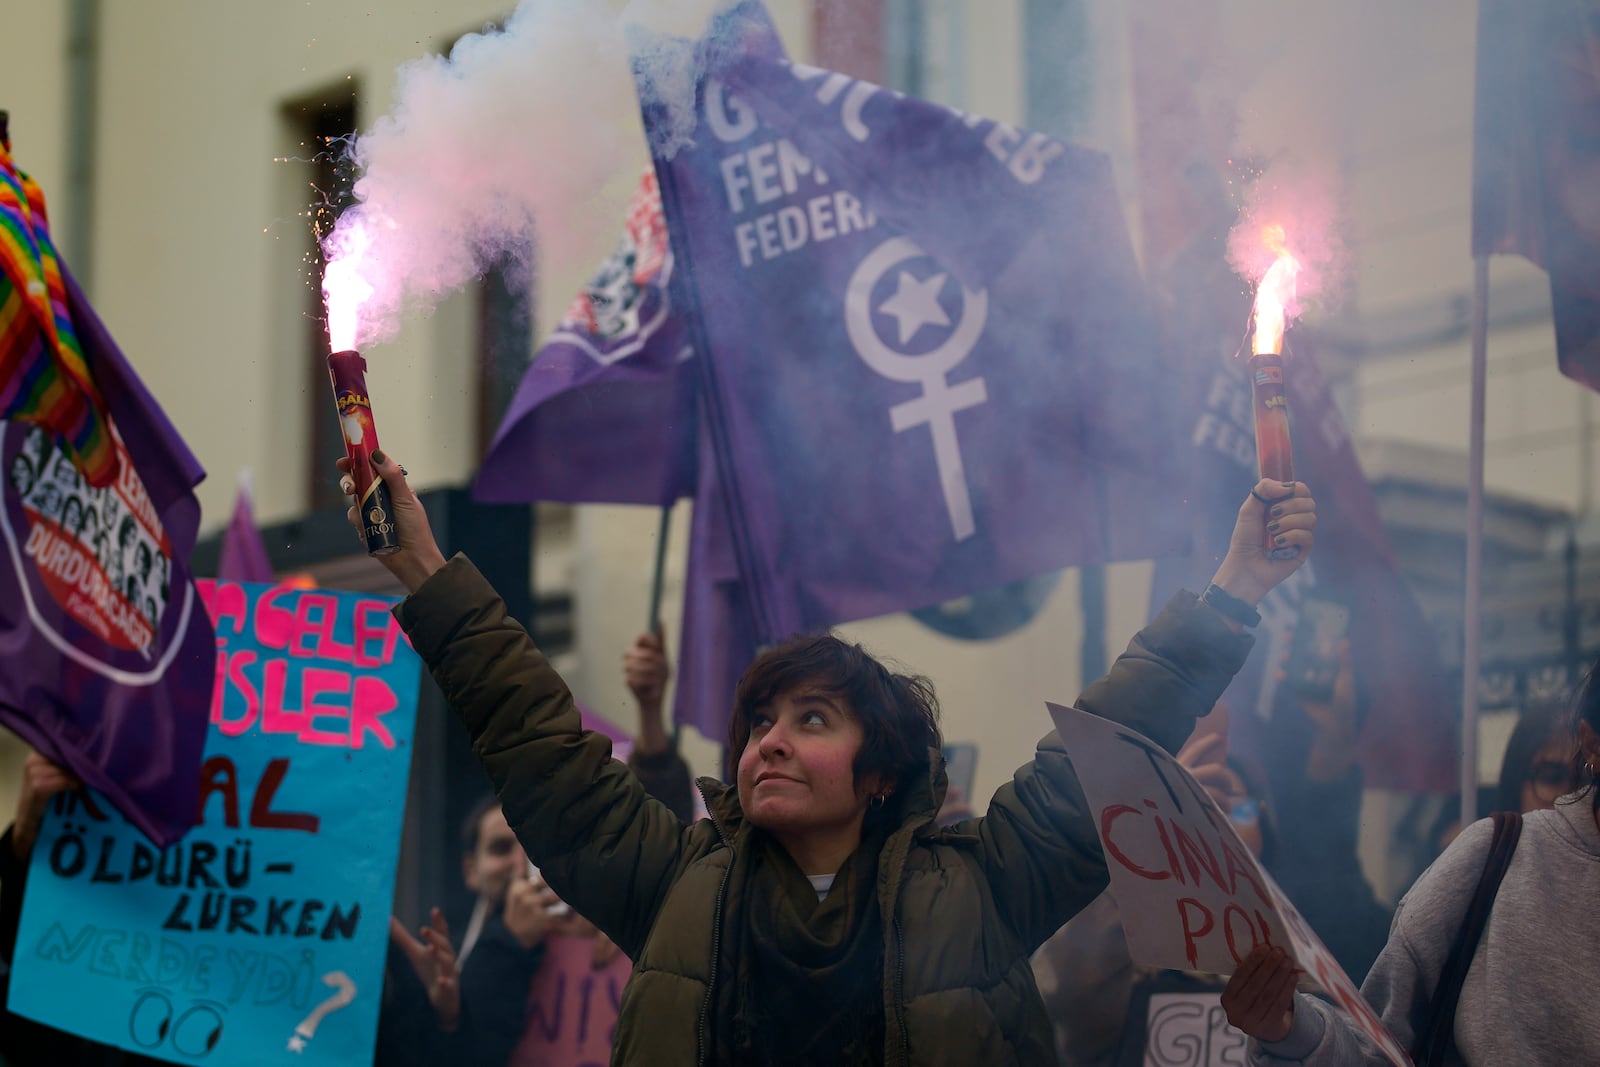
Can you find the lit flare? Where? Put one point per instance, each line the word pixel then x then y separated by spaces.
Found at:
pixel 344 289
pixel 1276 292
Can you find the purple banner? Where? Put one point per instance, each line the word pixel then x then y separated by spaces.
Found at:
pixel 894 428
pixel 108 652
pixel 605 413
pixel 243 555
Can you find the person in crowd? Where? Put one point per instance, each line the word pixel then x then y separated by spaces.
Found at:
pixel 23 1041
pixel 655 757
pixel 1535 770
pixel 1096 995
pixel 819 915
pixel 468 1005
pixel 1316 786
pixel 1527 994
pixel 1537 767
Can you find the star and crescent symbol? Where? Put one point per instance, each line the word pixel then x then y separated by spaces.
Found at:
pixel 915 304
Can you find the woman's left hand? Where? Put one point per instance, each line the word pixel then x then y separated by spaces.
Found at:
pixel 419 556
pixel 1274 513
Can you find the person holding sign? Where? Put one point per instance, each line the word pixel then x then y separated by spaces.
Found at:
pixel 1527 995
pixel 23 1040
pixel 468 1005
pixel 820 915
pixel 1099 999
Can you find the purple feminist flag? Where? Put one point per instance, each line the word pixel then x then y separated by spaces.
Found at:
pixel 895 426
pixel 719 635
pixel 1393 650
pixel 605 412
pixel 243 555
pixel 108 652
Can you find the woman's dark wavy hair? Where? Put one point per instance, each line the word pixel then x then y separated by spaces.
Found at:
pixel 469 825
pixel 899 713
pixel 1536 726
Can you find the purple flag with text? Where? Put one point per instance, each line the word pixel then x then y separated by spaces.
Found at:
pixel 605 413
pixel 109 656
pixel 926 361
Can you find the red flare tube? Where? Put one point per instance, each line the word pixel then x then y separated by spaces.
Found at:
pixel 348 373
pixel 1274 454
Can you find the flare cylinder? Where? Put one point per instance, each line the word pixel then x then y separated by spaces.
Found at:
pixel 374 508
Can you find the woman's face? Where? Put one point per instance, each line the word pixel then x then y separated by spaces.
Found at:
pixel 1549 775
pixel 497 859
pixel 797 773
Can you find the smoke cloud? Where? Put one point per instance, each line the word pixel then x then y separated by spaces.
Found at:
pixel 505 143
pixel 1299 199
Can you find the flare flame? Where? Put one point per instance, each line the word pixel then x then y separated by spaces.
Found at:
pixel 1276 292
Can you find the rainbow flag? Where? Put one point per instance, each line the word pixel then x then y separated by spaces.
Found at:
pixel 44 378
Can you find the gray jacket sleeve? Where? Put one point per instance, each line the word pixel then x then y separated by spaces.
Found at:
pixel 1403 978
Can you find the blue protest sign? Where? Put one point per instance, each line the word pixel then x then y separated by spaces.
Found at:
pixel 260 937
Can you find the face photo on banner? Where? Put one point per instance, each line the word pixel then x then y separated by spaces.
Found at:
pixel 261 935
pixel 1192 895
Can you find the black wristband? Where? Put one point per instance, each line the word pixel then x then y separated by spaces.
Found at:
pixel 1230 606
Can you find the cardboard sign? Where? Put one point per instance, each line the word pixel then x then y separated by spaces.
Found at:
pixel 1192 895
pixel 260 937
pixel 572 1007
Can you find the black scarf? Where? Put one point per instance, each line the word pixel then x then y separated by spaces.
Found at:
pixel 803 979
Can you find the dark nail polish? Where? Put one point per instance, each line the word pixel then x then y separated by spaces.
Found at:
pixel 1280 541
pixel 1277 512
pixel 378 456
pixel 1272 526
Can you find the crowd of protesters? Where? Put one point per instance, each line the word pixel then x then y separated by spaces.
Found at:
pixel 832 903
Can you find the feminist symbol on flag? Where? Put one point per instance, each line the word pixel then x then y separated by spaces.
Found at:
pixel 915 304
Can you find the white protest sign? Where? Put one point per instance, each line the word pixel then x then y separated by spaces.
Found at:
pixel 1192 895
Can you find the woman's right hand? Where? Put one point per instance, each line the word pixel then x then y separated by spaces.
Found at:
pixel 419 554
pixel 1259 998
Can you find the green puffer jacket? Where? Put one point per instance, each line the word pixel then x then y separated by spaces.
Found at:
pixel 963 907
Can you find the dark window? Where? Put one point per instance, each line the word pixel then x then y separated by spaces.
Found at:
pixel 504 342
pixel 326 127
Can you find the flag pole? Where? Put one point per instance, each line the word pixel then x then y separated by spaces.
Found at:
pixel 1471 623
pixel 657 579
pixel 653 624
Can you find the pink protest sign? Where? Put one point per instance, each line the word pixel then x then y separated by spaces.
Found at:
pixel 572 1006
pixel 1193 896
